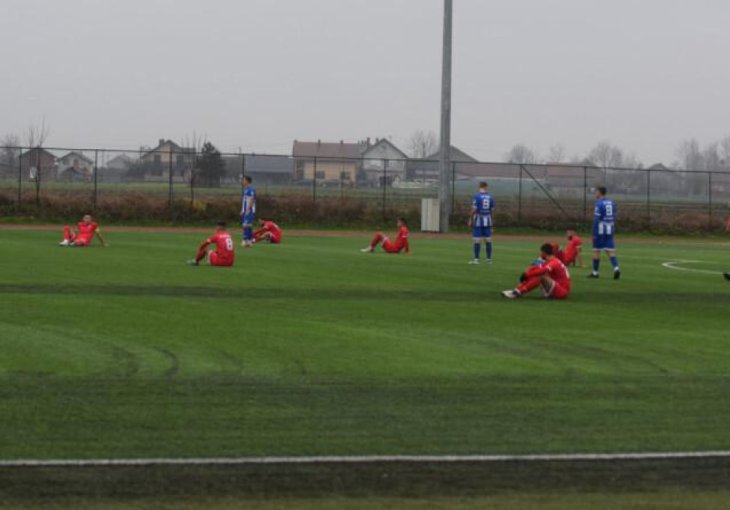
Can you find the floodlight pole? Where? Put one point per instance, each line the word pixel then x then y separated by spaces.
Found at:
pixel 445 151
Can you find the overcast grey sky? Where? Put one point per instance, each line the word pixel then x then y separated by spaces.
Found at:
pixel 257 74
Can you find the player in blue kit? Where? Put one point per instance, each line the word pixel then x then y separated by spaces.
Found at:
pixel 480 221
pixel 248 211
pixel 604 228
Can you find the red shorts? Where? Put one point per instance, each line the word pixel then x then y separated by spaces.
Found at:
pixel 216 260
pixel 81 242
pixel 390 247
pixel 558 291
pixel 274 240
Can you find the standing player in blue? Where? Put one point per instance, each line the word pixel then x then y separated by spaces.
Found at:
pixel 604 227
pixel 480 221
pixel 248 211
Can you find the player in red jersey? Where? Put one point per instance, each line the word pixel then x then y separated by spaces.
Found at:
pixel 223 255
pixel 571 254
pixel 86 230
pixel 269 231
pixel 551 275
pixel 400 243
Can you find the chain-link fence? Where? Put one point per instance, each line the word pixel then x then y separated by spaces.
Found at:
pixel 176 184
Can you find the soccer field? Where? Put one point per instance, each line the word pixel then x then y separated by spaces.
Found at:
pixel 313 348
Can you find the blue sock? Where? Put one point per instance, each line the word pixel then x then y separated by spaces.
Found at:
pixel 614 263
pixel 477 250
pixel 489 250
pixel 596 263
pixel 247 233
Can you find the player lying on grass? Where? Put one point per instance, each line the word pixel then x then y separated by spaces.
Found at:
pixel 400 243
pixel 223 255
pixel 87 229
pixel 269 231
pixel 549 273
pixel 571 255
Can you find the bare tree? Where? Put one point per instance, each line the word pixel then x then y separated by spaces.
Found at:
pixel 557 153
pixel 711 157
pixel 689 155
pixel 422 144
pixel 9 153
pixel 606 155
pixel 35 136
pixel 725 152
pixel 192 146
pixel 521 153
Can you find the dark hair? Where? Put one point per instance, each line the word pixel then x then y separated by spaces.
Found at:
pixel 571 227
pixel 483 184
pixel 403 220
pixel 547 249
pixel 221 224
pixel 248 179
pixel 601 190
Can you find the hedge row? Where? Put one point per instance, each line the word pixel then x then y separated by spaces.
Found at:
pixel 297 210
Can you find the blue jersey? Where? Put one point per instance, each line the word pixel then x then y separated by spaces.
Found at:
pixel 248 201
pixel 482 206
pixel 604 217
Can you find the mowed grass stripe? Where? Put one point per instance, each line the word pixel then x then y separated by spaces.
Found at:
pixel 313 348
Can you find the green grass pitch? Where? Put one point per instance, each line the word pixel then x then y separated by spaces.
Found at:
pixel 313 348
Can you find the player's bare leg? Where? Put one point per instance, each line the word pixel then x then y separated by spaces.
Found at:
pixel 200 256
pixel 68 236
pixel 379 237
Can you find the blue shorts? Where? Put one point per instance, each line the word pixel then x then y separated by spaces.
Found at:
pixel 247 219
pixel 603 242
pixel 479 232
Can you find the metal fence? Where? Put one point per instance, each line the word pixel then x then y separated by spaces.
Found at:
pixel 180 179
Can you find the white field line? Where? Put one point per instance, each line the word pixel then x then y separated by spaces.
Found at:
pixel 362 459
pixel 672 264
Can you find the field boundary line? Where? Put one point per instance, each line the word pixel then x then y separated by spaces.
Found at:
pixel 672 264
pixel 364 459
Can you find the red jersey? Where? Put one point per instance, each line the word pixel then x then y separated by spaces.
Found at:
pixel 223 246
pixel 401 240
pixel 273 229
pixel 86 230
pixel 555 269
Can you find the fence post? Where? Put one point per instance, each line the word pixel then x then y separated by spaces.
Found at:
pixel 585 193
pixel 96 177
pixel 169 171
pixel 38 172
pixel 709 200
pixel 385 183
pixel 648 199
pixel 194 164
pixel 519 198
pixel 453 185
pixel 314 183
pixel 20 177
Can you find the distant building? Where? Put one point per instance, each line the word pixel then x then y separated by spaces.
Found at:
pixel 383 162
pixel 327 162
pixel 115 169
pixel 265 170
pixel 38 162
pixel 167 156
pixel 75 166
pixel 427 169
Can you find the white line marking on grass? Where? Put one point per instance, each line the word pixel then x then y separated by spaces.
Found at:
pixel 672 264
pixel 362 459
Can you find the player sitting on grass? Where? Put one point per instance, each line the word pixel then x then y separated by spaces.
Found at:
pixel 87 229
pixel 401 241
pixel 571 255
pixel 223 255
pixel 552 276
pixel 269 231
